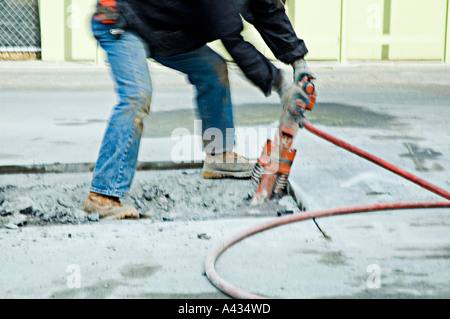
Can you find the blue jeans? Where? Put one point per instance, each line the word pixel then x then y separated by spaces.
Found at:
pixel 127 56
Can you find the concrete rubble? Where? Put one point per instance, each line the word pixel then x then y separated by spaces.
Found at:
pixel 171 195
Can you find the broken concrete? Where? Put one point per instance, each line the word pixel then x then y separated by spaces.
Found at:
pixel 171 195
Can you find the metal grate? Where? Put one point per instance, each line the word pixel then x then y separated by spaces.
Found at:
pixel 19 26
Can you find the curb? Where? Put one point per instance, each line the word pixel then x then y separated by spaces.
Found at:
pixel 61 168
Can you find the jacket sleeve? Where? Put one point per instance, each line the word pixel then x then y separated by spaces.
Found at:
pixel 226 25
pixel 270 20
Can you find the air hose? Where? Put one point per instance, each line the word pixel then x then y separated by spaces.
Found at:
pixel 215 253
pixel 439 191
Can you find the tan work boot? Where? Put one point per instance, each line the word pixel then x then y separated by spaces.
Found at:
pixel 228 164
pixel 108 207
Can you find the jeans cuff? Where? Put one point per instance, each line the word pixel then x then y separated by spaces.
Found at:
pixel 113 193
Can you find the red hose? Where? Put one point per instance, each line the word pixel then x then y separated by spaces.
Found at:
pixel 238 293
pixel 235 292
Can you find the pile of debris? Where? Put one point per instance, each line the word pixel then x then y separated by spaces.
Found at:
pixel 158 195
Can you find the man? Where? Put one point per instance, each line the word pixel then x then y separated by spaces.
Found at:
pixel 174 33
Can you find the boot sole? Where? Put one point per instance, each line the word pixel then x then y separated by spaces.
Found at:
pixel 124 214
pixel 222 174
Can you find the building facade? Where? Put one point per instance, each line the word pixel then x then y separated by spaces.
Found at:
pixel 334 30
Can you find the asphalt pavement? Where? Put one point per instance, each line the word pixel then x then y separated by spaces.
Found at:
pixel 52 119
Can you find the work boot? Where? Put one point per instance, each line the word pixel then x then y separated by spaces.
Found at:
pixel 228 164
pixel 108 207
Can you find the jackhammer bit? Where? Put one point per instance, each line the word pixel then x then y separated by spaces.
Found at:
pixel 271 172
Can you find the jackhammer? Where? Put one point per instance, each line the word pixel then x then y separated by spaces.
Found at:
pixel 271 172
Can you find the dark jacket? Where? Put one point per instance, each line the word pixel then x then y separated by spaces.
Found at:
pixel 176 26
pixel 274 26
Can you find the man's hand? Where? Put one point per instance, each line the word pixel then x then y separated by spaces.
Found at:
pixel 304 77
pixel 293 97
pixel 302 70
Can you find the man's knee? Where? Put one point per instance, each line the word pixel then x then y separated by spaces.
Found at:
pixel 212 77
pixel 137 103
pixel 143 108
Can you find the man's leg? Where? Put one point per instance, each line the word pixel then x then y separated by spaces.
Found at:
pixel 207 71
pixel 118 155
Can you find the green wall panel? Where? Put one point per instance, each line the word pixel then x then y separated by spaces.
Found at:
pixel 51 13
pixel 65 30
pixel 318 23
pixel 447 49
pixel 334 30
pixel 362 29
pixel 393 29
pixel 417 29
pixel 82 45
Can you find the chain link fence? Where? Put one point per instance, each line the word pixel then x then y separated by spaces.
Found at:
pixel 20 36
